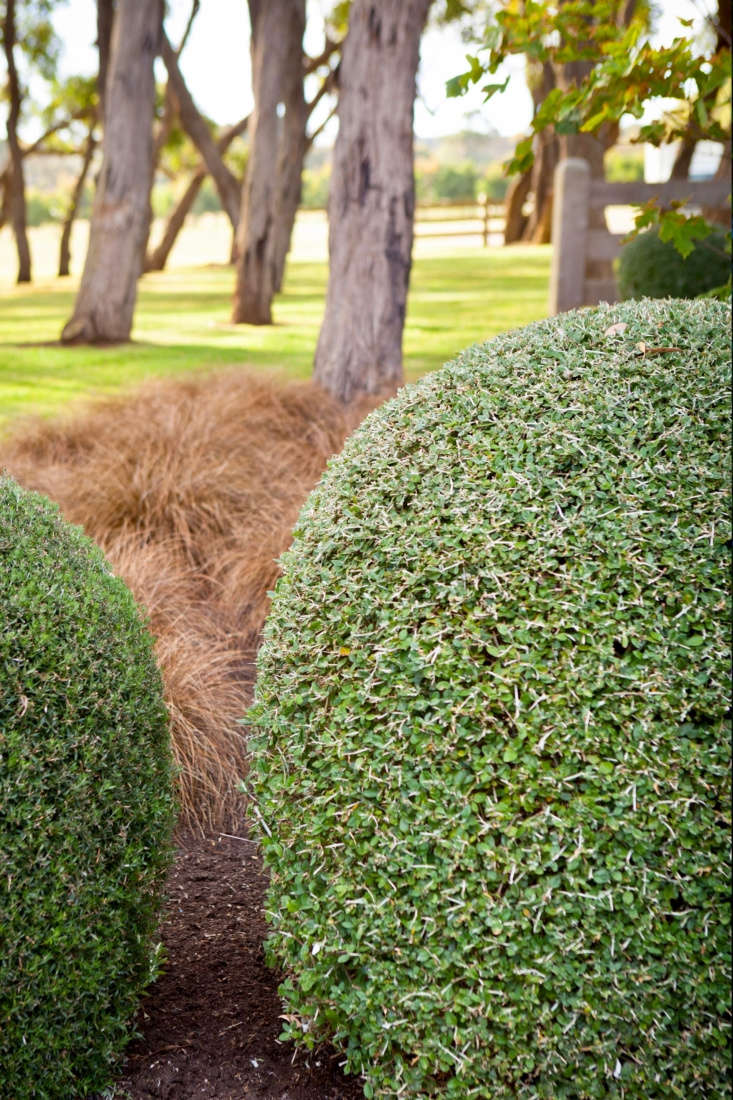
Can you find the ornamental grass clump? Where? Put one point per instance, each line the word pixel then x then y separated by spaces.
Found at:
pixel 492 755
pixel 86 805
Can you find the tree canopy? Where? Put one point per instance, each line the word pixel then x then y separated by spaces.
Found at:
pixel 626 73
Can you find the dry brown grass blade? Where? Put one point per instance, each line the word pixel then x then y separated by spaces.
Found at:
pixel 191 487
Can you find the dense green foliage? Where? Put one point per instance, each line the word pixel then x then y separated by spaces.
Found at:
pixel 606 68
pixel 649 267
pixel 86 805
pixel 492 762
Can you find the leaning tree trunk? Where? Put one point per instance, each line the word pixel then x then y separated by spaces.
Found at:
pixel 106 300
pixel 157 258
pixel 372 201
pixel 277 65
pixel 197 129
pixel 65 245
pixel 15 180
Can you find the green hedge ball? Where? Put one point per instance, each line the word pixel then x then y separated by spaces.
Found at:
pixel 651 268
pixel 86 805
pixel 492 757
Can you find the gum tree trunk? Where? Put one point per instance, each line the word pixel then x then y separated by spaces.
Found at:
pixel 274 168
pixel 105 21
pixel 120 216
pixel 372 200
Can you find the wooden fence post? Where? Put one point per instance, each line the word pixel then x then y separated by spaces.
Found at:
pixel 569 232
pixel 484 204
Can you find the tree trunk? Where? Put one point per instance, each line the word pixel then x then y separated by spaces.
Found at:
pixel 106 299
pixel 15 180
pixel 105 21
pixel 720 215
pixel 538 227
pixel 372 201
pixel 197 129
pixel 65 246
pixel 4 195
pixel 272 186
pixel 515 219
pixel 541 78
pixel 168 120
pixel 683 159
pixel 157 259
pixel 686 151
pixel 293 146
pixel 591 148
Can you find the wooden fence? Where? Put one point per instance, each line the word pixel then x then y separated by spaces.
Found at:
pixel 482 218
pixel 575 243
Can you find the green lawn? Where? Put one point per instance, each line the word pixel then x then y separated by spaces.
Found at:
pixel 457 297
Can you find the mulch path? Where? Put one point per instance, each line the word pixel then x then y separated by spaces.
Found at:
pixel 210 1024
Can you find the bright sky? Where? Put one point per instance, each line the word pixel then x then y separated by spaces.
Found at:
pixel 217 67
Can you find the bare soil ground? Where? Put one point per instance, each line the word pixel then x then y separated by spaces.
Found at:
pixel 210 1024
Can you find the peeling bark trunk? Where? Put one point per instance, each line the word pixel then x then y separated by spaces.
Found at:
pixel 197 129
pixel 106 299
pixel 277 147
pixel 372 201
pixel 158 257
pixel 65 245
pixel 15 180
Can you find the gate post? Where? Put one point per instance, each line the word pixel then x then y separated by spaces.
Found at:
pixel 569 233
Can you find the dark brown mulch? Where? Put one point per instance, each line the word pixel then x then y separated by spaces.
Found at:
pixel 210 1024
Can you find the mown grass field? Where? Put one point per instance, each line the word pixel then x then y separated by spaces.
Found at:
pixel 460 293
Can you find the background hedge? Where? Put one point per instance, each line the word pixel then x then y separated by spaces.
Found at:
pixel 651 268
pixel 492 762
pixel 86 805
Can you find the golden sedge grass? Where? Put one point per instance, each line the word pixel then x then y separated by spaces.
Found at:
pixel 192 487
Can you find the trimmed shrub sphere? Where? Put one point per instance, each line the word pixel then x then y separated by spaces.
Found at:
pixel 492 756
pixel 86 805
pixel 651 268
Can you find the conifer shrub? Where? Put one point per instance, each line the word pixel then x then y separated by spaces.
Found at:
pixel 491 753
pixel 86 805
pixel 649 267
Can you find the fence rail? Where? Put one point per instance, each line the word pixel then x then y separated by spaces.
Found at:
pixel 480 218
